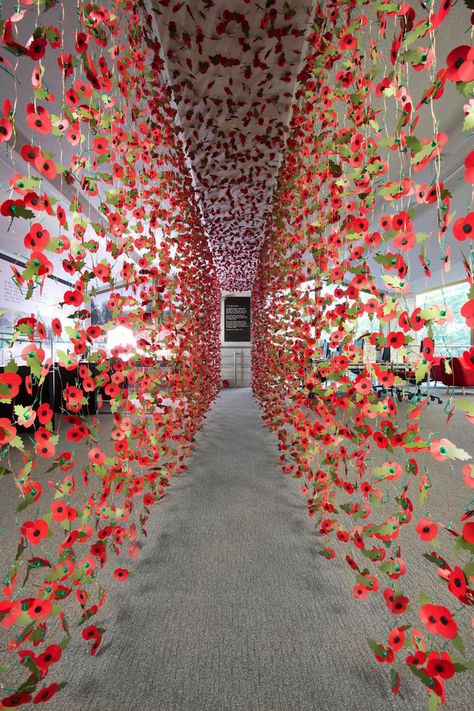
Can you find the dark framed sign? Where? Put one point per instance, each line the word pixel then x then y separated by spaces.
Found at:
pixel 237 318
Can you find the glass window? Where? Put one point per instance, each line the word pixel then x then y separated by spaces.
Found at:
pixel 452 337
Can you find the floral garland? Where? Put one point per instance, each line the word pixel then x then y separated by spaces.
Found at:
pixel 344 223
pixel 108 139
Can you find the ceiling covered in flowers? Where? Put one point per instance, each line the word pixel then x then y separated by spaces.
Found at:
pixel 232 67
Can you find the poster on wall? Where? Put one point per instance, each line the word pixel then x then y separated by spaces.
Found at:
pixel 237 318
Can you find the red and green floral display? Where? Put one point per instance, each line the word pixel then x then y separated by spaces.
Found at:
pixel 93 116
pixel 364 167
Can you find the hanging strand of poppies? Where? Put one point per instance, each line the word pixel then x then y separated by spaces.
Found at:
pixel 100 198
pixel 342 239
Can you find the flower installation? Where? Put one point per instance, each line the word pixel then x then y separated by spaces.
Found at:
pixel 98 122
pixel 125 181
pixel 364 157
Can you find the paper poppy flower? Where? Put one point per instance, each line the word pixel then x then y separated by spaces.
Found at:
pixel 469 165
pixel 46 166
pixel 397 604
pixel 438 620
pixel 96 456
pixel 35 531
pixel 396 638
pixel 457 583
pixel 384 654
pixel 94 634
pixel 51 655
pixel 59 510
pixel 463 228
pixel 404 241
pixel 37 238
pixel 29 153
pixel 467 311
pixel 15 700
pixel 121 574
pixel 10 611
pixel 427 348
pixel 38 119
pixel 440 664
pixel 426 529
pixel 6 129
pixel 468 532
pixel 460 63
pixel 9 385
pixel 395 339
pixel 46 694
pixel 39 608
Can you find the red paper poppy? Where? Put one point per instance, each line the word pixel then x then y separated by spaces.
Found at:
pixel 397 604
pixel 6 130
pixel 469 164
pixel 38 119
pixel 397 638
pixel 427 349
pixel 9 385
pixel 468 532
pixel 29 153
pixel 404 241
pixel 440 665
pixel 463 228
pixel 438 620
pixel 46 694
pixel 426 529
pixel 395 339
pixel 93 633
pixel 460 63
pixel 39 608
pixel 46 166
pixel 121 574
pixel 15 700
pixel 51 655
pixel 35 531
pixel 37 238
pixel 457 583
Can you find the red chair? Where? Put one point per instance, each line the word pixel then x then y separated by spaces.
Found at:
pixel 436 371
pixel 461 376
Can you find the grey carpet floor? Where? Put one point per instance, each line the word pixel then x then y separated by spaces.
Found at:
pixel 231 608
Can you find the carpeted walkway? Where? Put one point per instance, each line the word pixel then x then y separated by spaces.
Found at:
pixel 231 608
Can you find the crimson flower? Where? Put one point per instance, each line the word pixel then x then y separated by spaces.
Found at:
pixel 11 702
pixel 397 604
pixel 93 633
pixel 395 339
pixel 46 694
pixel 468 532
pixel 440 665
pixel 396 638
pixel 463 228
pixel 38 119
pixel 9 385
pixel 460 63
pixel 51 655
pixel 121 574
pixel 35 531
pixel 37 238
pixel 469 163
pixel 438 620
pixel 426 529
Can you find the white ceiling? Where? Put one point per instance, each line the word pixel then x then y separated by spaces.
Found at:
pixel 234 116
